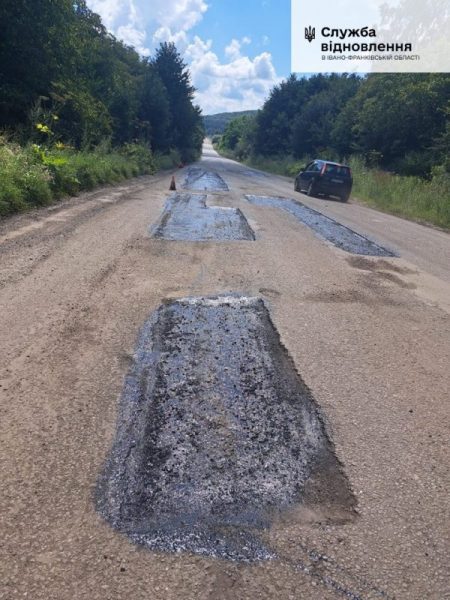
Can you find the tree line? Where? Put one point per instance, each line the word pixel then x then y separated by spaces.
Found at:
pixel 216 124
pixel 64 78
pixel 399 122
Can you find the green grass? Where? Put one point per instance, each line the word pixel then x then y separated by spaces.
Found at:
pixel 32 176
pixel 287 165
pixel 410 197
pixel 426 201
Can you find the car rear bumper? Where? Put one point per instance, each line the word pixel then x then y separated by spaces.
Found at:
pixel 333 189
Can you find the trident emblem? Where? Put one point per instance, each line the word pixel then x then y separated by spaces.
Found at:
pixel 310 33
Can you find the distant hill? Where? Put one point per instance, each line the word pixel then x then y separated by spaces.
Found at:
pixel 215 124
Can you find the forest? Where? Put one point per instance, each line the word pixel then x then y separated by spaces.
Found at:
pixel 79 108
pixel 394 129
pixel 216 124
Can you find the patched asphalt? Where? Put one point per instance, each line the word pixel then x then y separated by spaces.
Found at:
pixel 198 179
pixel 326 228
pixel 217 434
pixel 186 217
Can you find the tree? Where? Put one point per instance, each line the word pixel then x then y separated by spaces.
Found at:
pixel 61 70
pixel 239 136
pixel 34 50
pixel 186 125
pixel 397 116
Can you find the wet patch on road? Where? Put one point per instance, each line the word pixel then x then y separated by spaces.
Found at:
pixel 384 270
pixel 217 435
pixel 187 217
pixel 325 227
pixel 198 179
pixel 366 264
pixel 350 296
pixel 391 278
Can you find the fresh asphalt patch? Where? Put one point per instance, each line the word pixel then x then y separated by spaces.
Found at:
pixel 217 435
pixel 326 228
pixel 187 217
pixel 199 180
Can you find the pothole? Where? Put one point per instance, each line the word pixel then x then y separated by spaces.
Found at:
pixel 217 435
pixel 198 179
pixel 186 217
pixel 326 228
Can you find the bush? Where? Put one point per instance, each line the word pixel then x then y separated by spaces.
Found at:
pixel 23 180
pixel 141 156
pixel 168 161
pixel 35 176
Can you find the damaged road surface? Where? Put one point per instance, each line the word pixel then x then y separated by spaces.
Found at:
pixel 187 217
pixel 198 179
pixel 217 434
pixel 325 227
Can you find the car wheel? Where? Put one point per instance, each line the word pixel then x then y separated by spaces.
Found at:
pixel 296 188
pixel 345 197
pixel 311 189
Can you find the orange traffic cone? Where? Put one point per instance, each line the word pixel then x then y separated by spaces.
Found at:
pixel 173 186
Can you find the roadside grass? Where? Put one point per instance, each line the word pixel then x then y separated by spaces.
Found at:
pixel 33 176
pixel 411 197
pixel 286 165
pixel 426 201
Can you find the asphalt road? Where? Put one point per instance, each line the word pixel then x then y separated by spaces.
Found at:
pixel 367 337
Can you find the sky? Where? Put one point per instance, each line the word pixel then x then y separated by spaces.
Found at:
pixel 236 50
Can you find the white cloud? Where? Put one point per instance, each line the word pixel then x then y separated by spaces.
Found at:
pixel 175 14
pixel 133 36
pixel 123 18
pixel 164 34
pixel 238 83
pixel 142 23
pixel 109 10
pixel 233 50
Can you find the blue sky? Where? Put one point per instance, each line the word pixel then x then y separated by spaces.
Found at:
pixel 237 50
pixel 267 23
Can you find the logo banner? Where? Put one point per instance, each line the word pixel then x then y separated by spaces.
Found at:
pixel 386 36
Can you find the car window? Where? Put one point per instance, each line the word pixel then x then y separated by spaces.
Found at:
pixel 315 167
pixel 309 166
pixel 337 170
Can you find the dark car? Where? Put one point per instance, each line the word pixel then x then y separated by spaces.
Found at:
pixel 327 178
